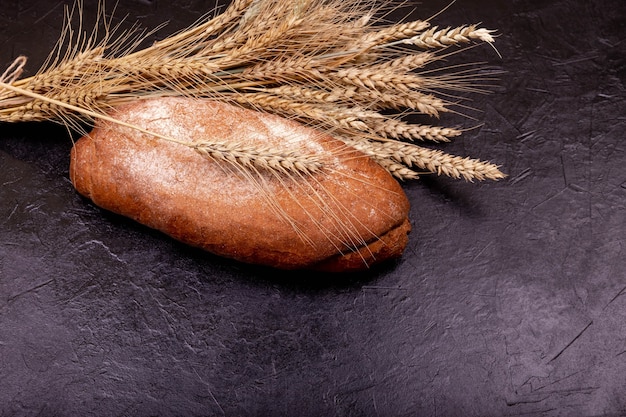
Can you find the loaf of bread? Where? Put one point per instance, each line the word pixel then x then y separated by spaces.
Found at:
pixel 345 213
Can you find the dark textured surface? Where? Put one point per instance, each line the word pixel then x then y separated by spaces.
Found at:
pixel 510 300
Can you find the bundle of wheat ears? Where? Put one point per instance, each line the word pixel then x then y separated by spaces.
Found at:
pixel 331 64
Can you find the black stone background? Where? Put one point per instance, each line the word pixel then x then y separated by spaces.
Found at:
pixel 510 299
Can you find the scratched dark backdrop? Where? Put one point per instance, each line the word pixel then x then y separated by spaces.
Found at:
pixel 510 299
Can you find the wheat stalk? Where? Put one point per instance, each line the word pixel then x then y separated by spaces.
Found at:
pixel 327 63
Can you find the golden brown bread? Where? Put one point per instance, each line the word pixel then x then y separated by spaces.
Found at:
pixel 348 216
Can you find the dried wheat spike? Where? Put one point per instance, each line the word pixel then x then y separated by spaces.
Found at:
pixel 265 159
pixel 434 38
pixel 434 161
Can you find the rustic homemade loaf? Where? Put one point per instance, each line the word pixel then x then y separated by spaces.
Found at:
pixel 348 215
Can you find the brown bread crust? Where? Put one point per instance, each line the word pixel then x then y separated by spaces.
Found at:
pixel 388 246
pixel 348 216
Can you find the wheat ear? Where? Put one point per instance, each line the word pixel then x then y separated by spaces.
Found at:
pixel 434 161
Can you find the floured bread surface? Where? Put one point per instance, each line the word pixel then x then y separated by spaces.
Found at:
pixel 348 215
